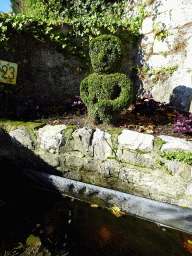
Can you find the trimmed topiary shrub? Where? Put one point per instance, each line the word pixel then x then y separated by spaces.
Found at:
pixel 107 54
pixel 106 93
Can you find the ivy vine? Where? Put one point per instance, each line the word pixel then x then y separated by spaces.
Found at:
pixel 86 21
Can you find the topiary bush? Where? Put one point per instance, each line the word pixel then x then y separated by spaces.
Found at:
pixel 106 93
pixel 107 54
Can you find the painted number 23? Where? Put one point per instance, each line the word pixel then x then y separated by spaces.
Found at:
pixel 5 69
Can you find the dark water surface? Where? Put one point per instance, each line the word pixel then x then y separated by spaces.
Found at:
pixel 43 223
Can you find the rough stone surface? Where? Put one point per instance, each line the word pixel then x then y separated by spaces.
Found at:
pixel 135 158
pixel 82 138
pixel 50 137
pixel 21 138
pixel 111 161
pixel 102 146
pixel 175 144
pixel 135 140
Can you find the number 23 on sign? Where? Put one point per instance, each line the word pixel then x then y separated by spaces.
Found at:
pixel 8 72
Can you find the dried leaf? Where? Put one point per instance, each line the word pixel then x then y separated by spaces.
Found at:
pixel 116 211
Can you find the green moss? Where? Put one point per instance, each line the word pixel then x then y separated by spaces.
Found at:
pixel 73 127
pixel 111 157
pixel 185 157
pixel 67 133
pixel 163 73
pixel 135 151
pixel 114 132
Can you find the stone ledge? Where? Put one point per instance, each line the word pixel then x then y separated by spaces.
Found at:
pixel 126 161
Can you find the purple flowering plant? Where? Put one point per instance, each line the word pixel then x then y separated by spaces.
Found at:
pixel 182 124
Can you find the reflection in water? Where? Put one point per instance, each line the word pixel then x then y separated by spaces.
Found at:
pixel 49 224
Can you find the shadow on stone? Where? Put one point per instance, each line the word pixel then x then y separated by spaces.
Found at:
pixel 16 164
pixel 181 98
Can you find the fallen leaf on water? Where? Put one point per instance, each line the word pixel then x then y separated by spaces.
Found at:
pixel 94 205
pixel 116 211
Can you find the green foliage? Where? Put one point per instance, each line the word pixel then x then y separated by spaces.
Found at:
pixel 87 19
pixel 160 34
pixel 107 54
pixel 106 96
pixel 163 73
pixel 178 156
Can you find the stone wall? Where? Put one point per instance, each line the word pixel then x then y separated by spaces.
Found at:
pixel 122 160
pixel 173 49
pixel 42 70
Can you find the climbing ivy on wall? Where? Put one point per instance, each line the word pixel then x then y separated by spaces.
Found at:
pixel 86 20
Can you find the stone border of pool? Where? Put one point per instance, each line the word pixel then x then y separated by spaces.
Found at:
pixel 121 160
pixel 159 212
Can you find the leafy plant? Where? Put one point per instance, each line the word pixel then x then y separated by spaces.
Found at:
pixel 182 125
pixel 78 106
pixel 160 33
pixel 179 156
pixel 148 106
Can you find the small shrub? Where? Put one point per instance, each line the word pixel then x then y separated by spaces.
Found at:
pixel 182 125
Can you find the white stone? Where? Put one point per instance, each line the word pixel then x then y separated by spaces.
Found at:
pixel 21 138
pixel 82 140
pixel 175 144
pixel 147 26
pixel 160 46
pixel 187 63
pixel 102 146
pixel 135 140
pixel 158 61
pixel 165 5
pixel 165 20
pixel 188 190
pixel 181 16
pixel 50 137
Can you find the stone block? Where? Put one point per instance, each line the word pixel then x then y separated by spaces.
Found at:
pixel 175 144
pixel 21 138
pixel 82 141
pixel 135 140
pixel 147 26
pixel 50 137
pixel 181 16
pixel 160 46
pixel 165 5
pixel 102 145
pixel 136 158
pixel 165 19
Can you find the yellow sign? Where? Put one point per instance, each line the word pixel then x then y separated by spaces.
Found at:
pixel 8 72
